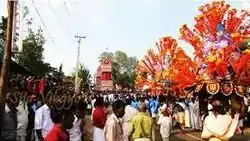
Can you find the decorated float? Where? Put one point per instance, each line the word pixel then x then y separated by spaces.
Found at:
pixel 221 61
pixel 220 38
pixel 103 80
pixel 151 69
pixel 165 70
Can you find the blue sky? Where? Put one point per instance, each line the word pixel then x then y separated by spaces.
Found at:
pixel 131 26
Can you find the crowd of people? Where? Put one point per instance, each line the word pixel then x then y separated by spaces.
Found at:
pixel 116 116
pixel 138 117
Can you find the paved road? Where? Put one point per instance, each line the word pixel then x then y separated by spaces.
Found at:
pixel 175 136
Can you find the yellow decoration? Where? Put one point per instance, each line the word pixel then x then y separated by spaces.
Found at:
pixel 227 89
pixel 239 90
pixel 246 51
pixel 213 88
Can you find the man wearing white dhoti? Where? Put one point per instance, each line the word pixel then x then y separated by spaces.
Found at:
pixel 165 122
pixel 219 126
pixel 194 112
pixel 185 106
pixel 22 121
pixel 130 112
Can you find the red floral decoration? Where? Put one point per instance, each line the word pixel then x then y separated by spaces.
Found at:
pixel 235 24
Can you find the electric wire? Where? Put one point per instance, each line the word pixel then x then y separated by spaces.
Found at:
pixel 66 7
pixel 40 17
pixel 59 18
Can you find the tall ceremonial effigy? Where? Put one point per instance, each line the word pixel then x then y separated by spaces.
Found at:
pixel 221 62
pixel 104 76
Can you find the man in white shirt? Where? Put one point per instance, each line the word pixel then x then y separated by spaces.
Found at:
pixel 43 122
pixel 22 121
pixel 76 131
pixel 165 122
pixel 194 112
pixel 113 127
pixel 130 112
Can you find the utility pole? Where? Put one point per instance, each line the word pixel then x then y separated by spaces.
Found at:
pixel 78 62
pixel 11 4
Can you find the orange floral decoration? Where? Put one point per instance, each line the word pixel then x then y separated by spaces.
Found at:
pixel 181 70
pixel 236 26
pixel 218 32
pixel 151 69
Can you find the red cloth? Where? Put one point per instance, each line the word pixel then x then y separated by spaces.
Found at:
pixel 99 117
pixel 56 134
pixel 41 86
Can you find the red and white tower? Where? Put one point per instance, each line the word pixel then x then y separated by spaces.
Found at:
pixel 104 76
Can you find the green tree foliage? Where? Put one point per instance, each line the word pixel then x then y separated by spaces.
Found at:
pixel 3 27
pixel 84 76
pixel 123 68
pixel 105 54
pixel 3 34
pixel 32 54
